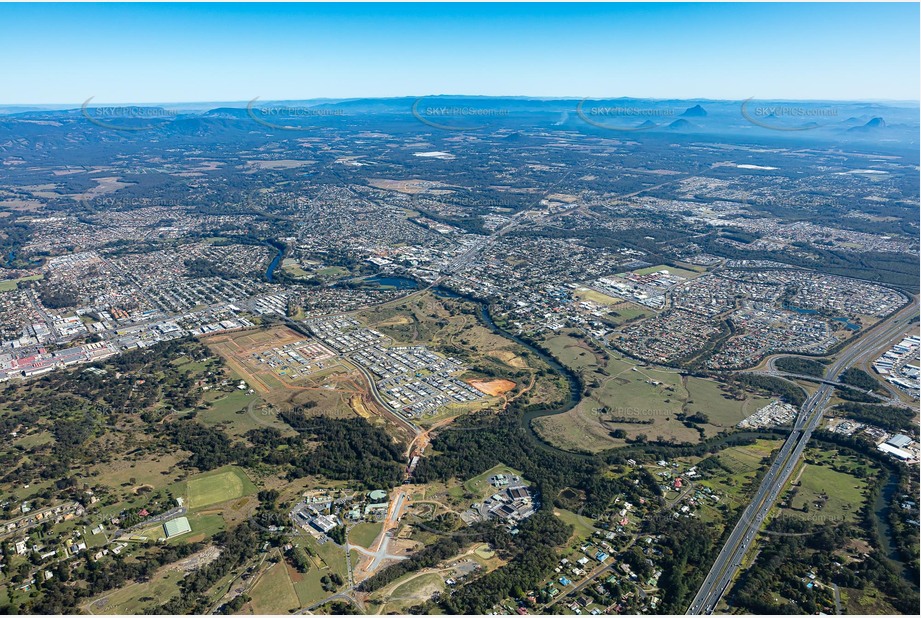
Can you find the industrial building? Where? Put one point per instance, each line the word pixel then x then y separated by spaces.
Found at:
pixel 176 527
pixel 895 452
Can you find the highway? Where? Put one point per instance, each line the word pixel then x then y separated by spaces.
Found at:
pixel 727 563
pixel 772 370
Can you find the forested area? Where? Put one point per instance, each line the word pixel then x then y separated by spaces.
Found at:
pixel 860 379
pixel 210 447
pixel 801 366
pixel 444 547
pixel 14 236
pixel 237 545
pixel 777 582
pixel 133 381
pixel 201 267
pixel 531 554
pixel 57 296
pixel 771 385
pixel 654 451
pixel 534 559
pixel 892 418
pixel 688 548
pixel 648 235
pixel 774 584
pixel 342 449
pixel 479 442
pixel 77 406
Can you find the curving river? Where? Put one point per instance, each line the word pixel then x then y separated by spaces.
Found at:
pixel 884 532
pixel 270 271
pixel 881 507
pixel 575 388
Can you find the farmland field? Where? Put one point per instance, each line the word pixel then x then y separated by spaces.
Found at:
pixel 626 395
pixel 825 492
pixel 364 534
pixel 12 284
pixel 632 398
pixel 571 352
pixel 742 463
pixel 274 593
pixel 135 598
pixel 582 526
pixel 330 558
pixel 628 311
pixel 218 486
pixel 706 396
pixel 597 297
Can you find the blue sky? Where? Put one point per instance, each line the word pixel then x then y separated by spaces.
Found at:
pixel 65 53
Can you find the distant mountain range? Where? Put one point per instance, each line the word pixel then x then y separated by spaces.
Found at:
pixel 873 125
pixel 803 120
pixel 695 112
pixel 681 124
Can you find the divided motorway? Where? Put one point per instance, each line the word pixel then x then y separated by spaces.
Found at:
pixel 730 557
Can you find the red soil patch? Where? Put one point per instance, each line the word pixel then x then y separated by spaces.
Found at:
pixel 492 387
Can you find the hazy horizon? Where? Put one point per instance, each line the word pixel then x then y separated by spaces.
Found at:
pixel 244 102
pixel 142 53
